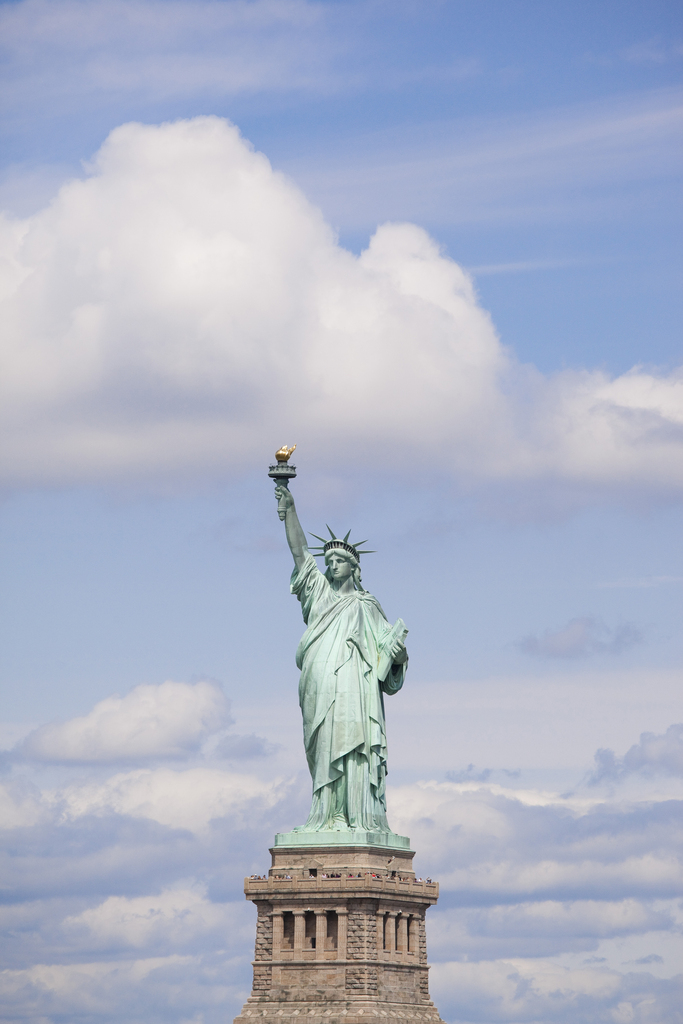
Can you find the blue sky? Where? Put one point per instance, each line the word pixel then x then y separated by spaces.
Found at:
pixel 437 246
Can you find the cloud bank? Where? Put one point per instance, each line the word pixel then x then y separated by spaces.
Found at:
pixel 122 896
pixel 122 885
pixel 658 755
pixel 171 314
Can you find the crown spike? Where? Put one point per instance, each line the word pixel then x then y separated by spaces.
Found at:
pixel 332 535
pixel 346 538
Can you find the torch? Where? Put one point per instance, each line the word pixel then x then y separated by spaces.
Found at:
pixel 282 473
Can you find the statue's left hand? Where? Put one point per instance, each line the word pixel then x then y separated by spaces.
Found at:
pixel 399 653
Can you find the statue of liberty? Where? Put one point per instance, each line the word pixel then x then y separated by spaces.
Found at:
pixel 349 657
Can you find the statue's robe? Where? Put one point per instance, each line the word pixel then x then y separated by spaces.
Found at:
pixel 342 702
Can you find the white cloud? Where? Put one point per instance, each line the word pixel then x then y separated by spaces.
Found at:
pixel 150 988
pixel 190 799
pixel 21 804
pixel 490 843
pixel 166 720
pixel 151 307
pixel 581 637
pixel 653 754
pixel 532 884
pixel 664 752
pixel 540 928
pixel 243 747
pixel 173 919
pixel 517 990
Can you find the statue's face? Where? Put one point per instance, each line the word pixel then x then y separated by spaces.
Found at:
pixel 340 567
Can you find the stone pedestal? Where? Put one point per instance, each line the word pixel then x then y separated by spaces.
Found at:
pixel 340 935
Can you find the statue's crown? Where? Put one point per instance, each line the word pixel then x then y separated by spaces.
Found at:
pixel 336 542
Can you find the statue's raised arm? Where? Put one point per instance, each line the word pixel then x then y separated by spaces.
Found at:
pixel 296 538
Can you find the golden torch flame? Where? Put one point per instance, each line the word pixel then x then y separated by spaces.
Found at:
pixel 282 454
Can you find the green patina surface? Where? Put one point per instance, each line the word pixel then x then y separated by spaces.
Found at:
pixel 387 840
pixel 351 659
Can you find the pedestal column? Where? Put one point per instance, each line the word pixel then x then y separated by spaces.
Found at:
pixel 380 931
pixel 278 932
pixel 299 931
pixel 414 934
pixel 390 933
pixel 342 926
pixel 320 934
pixel 402 946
